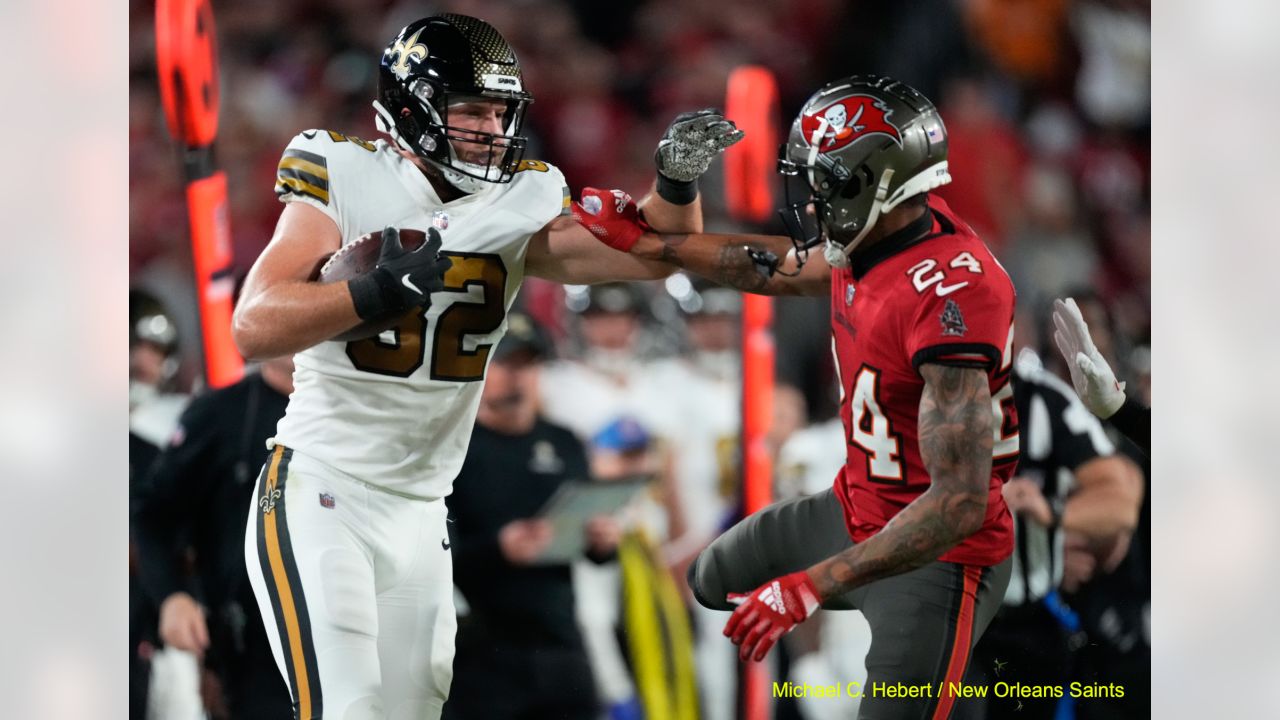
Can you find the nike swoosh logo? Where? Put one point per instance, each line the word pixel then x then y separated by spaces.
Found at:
pixel 944 290
pixel 409 284
pixel 445 544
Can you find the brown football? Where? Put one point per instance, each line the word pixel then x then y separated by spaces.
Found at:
pixel 357 258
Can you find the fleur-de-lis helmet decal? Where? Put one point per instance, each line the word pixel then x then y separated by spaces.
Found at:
pixel 405 50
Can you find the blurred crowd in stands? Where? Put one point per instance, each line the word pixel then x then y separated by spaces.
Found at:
pixel 1047 103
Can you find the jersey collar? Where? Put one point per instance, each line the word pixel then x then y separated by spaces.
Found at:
pixel 929 225
pixel 420 187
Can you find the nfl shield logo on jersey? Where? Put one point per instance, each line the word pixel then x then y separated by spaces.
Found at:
pixel 848 295
pixel 440 220
pixel 326 500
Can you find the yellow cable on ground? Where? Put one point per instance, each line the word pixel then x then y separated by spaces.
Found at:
pixel 659 638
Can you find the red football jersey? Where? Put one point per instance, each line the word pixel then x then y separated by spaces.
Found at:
pixel 943 299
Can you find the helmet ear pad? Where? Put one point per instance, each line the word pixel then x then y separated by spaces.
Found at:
pixel 850 210
pixel 406 120
pixel 859 180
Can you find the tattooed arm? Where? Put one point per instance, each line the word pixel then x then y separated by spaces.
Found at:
pixel 955 444
pixel 613 218
pixel 723 259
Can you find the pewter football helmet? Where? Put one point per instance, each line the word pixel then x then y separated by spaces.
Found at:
pixel 861 145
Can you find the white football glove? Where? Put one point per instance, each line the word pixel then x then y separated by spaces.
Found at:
pixel 1095 383
pixel 692 142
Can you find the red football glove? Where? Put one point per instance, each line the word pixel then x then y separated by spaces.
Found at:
pixel 769 612
pixel 612 216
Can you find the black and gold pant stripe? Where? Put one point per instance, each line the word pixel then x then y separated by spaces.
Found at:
pixel 275 553
pixel 305 173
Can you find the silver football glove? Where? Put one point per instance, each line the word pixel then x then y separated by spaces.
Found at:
pixel 1095 383
pixel 692 141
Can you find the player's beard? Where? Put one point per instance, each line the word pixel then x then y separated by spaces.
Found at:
pixel 490 172
pixel 482 160
pixel 471 177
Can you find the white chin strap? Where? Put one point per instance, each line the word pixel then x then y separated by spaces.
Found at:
pixel 837 255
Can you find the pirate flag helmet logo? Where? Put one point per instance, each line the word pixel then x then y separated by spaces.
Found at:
pixel 846 120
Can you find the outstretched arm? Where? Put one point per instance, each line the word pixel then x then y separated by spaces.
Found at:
pixel 725 259
pixel 955 445
pixel 564 252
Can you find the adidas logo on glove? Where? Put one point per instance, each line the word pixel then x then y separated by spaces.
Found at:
pixel 772 596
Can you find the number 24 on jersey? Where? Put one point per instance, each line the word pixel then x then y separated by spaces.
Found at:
pixel 925 275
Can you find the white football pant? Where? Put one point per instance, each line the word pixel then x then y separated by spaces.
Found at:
pixel 355 586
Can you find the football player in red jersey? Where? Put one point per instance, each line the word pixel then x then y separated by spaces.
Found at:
pixel 914 531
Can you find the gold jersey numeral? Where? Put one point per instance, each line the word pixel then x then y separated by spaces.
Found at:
pixel 403 351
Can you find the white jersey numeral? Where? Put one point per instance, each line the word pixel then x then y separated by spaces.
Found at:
pixel 919 277
pixel 925 274
pixel 966 260
pixel 1003 447
pixel 869 428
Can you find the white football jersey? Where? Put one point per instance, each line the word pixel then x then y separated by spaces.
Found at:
pixel 396 411
pixel 585 400
pixel 708 424
pixel 810 459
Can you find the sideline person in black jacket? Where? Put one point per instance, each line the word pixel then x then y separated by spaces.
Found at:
pixel 196 496
pixel 520 653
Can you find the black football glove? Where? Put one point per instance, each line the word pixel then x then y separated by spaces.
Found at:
pixel 402 278
pixel 686 150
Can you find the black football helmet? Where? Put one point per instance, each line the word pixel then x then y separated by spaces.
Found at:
pixel 859 147
pixel 438 61
pixel 150 324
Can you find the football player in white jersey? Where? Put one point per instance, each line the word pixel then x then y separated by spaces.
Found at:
pixel 346 541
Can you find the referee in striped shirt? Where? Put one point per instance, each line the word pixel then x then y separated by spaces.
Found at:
pixel 1071 489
